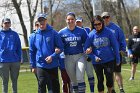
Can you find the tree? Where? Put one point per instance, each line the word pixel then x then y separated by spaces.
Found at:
pixel 17 7
pixel 86 4
pixel 32 13
pixel 31 16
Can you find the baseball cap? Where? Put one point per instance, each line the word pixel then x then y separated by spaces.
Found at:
pixel 105 14
pixel 79 19
pixel 41 15
pixel 6 20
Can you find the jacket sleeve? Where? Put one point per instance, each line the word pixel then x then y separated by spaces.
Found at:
pixel 130 42
pixel 122 40
pixel 19 50
pixel 115 47
pixel 32 51
pixel 58 43
pixel 88 44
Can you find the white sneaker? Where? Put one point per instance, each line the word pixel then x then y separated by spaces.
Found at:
pixel 132 78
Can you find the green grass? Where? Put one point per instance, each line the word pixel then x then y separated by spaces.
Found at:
pixel 27 82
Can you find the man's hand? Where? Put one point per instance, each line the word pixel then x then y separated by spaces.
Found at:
pixel 123 53
pixel 97 59
pixel 89 50
pixel 49 59
pixel 34 70
pixel 57 50
pixel 130 56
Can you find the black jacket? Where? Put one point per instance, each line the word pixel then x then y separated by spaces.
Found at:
pixel 134 44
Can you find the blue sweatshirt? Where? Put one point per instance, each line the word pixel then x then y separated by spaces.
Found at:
pixel 73 40
pixel 41 45
pixel 10 46
pixel 104 46
pixel 119 35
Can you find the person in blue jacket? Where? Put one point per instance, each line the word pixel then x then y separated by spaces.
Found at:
pixel 74 38
pixel 43 58
pixel 105 51
pixel 122 47
pixel 10 56
pixel 89 68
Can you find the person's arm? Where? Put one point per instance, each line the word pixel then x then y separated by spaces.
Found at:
pixel 89 51
pixel 115 46
pixel 58 44
pixel 32 51
pixel 130 43
pixel 19 49
pixel 122 41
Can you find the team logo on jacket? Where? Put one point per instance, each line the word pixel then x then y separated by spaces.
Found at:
pixel 101 42
pixel 48 39
pixel 113 31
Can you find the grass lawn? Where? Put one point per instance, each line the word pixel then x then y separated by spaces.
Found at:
pixel 27 82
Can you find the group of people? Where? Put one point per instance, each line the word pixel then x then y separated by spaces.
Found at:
pixel 74 50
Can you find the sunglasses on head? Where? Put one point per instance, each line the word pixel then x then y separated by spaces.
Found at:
pixel 106 17
pixel 97 24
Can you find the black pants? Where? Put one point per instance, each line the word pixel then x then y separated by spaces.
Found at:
pixel 107 69
pixel 48 77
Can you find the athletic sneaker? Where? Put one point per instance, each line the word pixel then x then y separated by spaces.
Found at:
pixel 122 91
pixel 132 78
pixel 113 91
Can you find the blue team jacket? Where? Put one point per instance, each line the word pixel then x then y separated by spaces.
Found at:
pixel 119 35
pixel 41 45
pixel 104 46
pixel 10 46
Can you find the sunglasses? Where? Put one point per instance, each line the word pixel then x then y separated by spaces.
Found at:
pixel 106 17
pixel 97 24
pixel 36 24
pixel 7 23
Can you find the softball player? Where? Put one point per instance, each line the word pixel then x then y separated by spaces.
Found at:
pixel 74 38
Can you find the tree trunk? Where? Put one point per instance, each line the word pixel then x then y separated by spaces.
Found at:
pixel 119 14
pixel 126 16
pixel 21 21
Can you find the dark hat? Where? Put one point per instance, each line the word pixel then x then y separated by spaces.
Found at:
pixel 6 20
pixel 42 15
pixel 79 19
pixel 105 14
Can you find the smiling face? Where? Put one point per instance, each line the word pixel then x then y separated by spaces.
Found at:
pixel 98 25
pixel 70 20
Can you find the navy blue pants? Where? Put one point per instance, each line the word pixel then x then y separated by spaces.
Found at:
pixel 50 78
